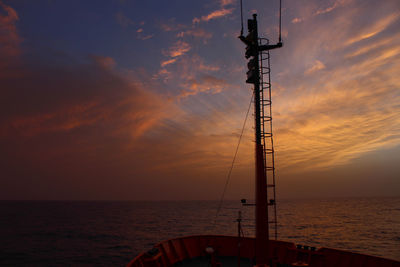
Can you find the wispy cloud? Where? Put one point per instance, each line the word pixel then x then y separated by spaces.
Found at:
pixel 145 37
pixel 317 65
pixel 167 62
pixel 370 47
pixel 172 26
pixel 193 75
pixel 103 61
pixel 97 96
pixel 196 32
pixel 223 12
pixel 336 4
pixel 205 83
pixel 374 29
pixel 341 117
pixel 341 101
pixel 297 20
pixel 178 49
pixel 141 33
pixel 224 3
pixel 322 11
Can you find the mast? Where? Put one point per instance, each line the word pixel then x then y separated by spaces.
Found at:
pixel 254 51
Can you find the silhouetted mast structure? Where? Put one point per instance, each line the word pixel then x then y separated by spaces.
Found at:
pixel 257 51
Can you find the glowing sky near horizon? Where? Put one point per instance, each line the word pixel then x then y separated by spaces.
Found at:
pixel 146 99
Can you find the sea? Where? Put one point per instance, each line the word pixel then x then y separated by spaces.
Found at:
pixel 110 233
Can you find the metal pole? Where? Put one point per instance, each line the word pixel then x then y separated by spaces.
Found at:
pixel 262 235
pixel 239 236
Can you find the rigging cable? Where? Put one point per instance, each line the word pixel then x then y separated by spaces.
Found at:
pixel 280 20
pixel 241 17
pixel 233 162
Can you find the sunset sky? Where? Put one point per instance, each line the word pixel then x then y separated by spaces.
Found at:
pixel 145 100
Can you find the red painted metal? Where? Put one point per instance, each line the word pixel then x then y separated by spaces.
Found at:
pixel 261 208
pixel 279 253
pixel 261 184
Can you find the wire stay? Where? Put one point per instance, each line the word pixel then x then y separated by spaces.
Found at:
pixel 233 162
pixel 280 21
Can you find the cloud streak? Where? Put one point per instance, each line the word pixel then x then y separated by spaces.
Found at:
pixel 74 97
pixel 178 49
pixel 374 29
pixel 329 118
pixel 205 83
pixel 317 65
pixel 220 13
pixel 322 11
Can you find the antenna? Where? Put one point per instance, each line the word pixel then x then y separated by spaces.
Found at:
pixel 262 47
pixel 280 21
pixel 241 17
pixel 258 74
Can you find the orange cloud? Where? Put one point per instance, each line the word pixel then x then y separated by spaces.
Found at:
pixel 317 65
pixel 206 83
pixel 193 76
pixel 297 20
pixel 178 49
pixel 370 47
pixel 321 11
pixel 335 5
pixel 76 97
pixel 197 32
pixel 352 110
pixel 104 62
pixel 145 37
pixel 226 2
pixel 167 62
pixel 324 119
pixel 374 29
pixel 214 15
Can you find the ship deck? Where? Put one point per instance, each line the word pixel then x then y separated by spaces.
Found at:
pixel 221 251
pixel 206 261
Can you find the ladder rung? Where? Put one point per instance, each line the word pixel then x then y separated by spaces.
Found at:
pixel 271 221
pixel 269 168
pixel 270 185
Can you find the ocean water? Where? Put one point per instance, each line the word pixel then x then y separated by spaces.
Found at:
pixel 61 233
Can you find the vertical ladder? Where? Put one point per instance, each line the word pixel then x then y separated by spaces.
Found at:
pixel 266 133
